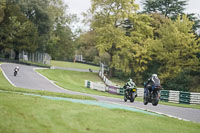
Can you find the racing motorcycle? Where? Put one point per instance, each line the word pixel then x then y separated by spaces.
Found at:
pixel 130 93
pixel 152 95
pixel 16 71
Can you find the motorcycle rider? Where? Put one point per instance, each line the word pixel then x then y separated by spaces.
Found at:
pixel 16 69
pixel 129 84
pixel 154 81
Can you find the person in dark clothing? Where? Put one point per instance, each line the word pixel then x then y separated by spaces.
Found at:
pixel 153 81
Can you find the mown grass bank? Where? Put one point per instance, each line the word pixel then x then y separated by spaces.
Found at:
pixel 73 65
pixel 74 81
pixel 22 114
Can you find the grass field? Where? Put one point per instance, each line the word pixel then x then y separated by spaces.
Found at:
pixel 73 65
pixel 73 80
pixel 22 114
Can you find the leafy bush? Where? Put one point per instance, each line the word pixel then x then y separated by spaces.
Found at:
pixel 180 83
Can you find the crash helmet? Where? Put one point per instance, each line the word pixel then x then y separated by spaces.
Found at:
pixel 154 75
pixel 17 67
pixel 130 80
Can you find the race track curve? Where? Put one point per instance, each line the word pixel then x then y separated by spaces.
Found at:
pixel 30 79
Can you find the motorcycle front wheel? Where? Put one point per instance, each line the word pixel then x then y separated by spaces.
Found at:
pixel 15 73
pixel 132 97
pixel 155 99
pixel 125 96
pixel 145 99
pixel 125 99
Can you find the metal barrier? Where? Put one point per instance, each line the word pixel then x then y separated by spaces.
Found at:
pixel 194 98
pixel 180 97
pixel 95 85
pixel 165 95
pixel 184 97
pixel 174 96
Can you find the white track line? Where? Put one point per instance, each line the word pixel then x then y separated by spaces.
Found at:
pixel 47 78
pixel 6 76
pixel 150 111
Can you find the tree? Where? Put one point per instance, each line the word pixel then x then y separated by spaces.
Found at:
pixel 16 31
pixel 141 35
pixel 196 19
pixel 2 7
pixel 37 12
pixel 86 45
pixel 107 17
pixel 157 21
pixel 33 25
pixel 60 44
pixel 177 48
pixel 169 8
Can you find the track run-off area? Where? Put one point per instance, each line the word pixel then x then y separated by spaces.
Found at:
pixel 30 79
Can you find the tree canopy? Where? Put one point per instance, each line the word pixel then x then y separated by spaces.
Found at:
pixel 32 25
pixel 132 44
pixel 170 8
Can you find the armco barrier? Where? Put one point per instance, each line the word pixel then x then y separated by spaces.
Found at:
pixel 180 97
pixel 174 96
pixel 164 95
pixel 95 86
pixel 114 90
pixel 121 91
pixel 194 98
pixel 140 92
pixel 105 80
pixel 87 84
pixel 184 97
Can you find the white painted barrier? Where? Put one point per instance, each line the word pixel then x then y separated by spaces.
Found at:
pixel 140 92
pixel 194 98
pixel 95 85
pixel 173 96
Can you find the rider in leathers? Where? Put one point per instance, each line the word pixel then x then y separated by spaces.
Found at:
pixel 130 84
pixel 154 81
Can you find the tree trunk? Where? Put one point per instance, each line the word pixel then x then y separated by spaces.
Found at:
pixel 16 55
pixel 111 72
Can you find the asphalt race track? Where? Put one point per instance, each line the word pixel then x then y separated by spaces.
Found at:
pixel 30 79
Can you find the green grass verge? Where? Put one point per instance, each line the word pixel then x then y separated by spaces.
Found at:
pixel 194 106
pixel 6 86
pixel 22 114
pixel 36 64
pixel 74 81
pixel 73 65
